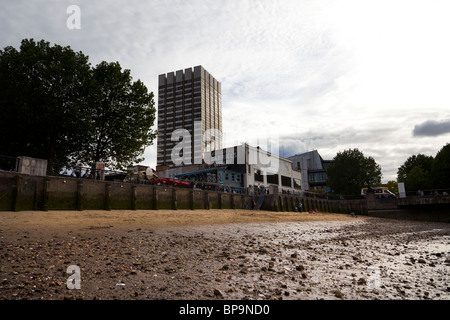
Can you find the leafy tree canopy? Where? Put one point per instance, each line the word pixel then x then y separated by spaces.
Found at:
pixel 351 170
pixel 55 106
pixel 417 178
pixel 120 116
pixel 440 170
pixel 42 91
pixel 415 172
pixel 392 186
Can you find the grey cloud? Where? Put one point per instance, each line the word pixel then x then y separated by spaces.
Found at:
pixel 431 128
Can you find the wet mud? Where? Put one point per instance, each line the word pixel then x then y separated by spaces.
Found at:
pixel 351 259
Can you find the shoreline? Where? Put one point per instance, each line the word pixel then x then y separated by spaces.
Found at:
pixel 118 220
pixel 221 255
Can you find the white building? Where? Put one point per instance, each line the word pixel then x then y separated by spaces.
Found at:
pixel 313 170
pixel 266 169
pixel 257 168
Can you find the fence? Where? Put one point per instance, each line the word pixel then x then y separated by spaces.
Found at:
pixel 428 192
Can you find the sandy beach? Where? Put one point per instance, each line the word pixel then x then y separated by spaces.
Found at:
pixel 221 254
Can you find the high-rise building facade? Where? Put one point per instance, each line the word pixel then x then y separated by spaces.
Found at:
pixel 189 100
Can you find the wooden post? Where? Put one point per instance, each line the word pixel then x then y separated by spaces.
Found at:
pixel 45 195
pixel 17 190
pixel 107 196
pixel 206 200
pixel 80 195
pixel 281 203
pixel 191 199
pixel 155 198
pixel 232 206
pixel 275 203
pixel 174 198
pixel 220 200
pixel 133 197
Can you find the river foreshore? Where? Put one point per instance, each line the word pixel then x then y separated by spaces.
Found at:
pixel 221 254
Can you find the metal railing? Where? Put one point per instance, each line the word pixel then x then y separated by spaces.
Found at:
pixel 428 192
pixel 84 172
pixel 8 163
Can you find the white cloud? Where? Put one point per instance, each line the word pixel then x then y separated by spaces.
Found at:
pixel 328 75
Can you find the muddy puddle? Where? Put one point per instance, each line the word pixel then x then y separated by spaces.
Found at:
pixel 364 259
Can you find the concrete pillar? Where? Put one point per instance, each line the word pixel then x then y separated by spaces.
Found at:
pixel 362 208
pixel 371 201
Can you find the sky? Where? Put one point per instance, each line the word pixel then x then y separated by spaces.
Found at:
pixel 327 75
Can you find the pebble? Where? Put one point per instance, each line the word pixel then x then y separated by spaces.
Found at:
pixel 217 292
pixel 190 265
pixel 300 268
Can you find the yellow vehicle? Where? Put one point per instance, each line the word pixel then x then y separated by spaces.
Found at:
pixel 380 192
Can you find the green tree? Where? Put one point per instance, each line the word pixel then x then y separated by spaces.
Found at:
pixel 121 115
pixel 416 172
pixel 392 186
pixel 351 170
pixel 417 178
pixel 43 92
pixel 440 171
pixel 55 106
